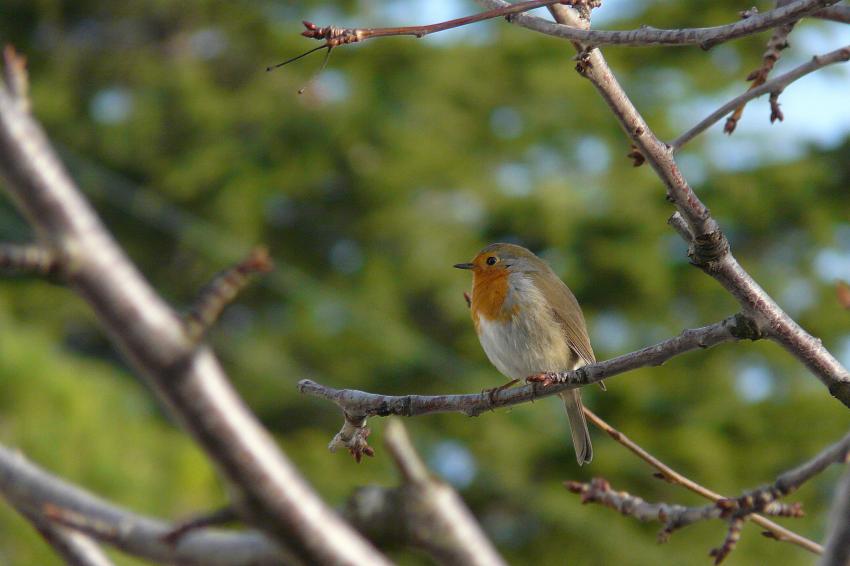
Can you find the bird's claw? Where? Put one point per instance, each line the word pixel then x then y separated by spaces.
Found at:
pixel 545 378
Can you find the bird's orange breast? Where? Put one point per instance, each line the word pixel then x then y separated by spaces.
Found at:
pixel 489 291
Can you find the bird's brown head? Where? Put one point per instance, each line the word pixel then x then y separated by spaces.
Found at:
pixel 500 258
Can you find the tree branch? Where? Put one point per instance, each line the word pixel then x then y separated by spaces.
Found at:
pixel 222 290
pixel 777 84
pixel 761 500
pixel 670 475
pixel 358 405
pixel 837 552
pixel 777 43
pixel 704 37
pixel 709 249
pixel 427 511
pixel 76 549
pixel 839 14
pixel 33 490
pixel 270 492
pixel 675 517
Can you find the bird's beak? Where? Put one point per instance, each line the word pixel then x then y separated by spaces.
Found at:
pixel 465 265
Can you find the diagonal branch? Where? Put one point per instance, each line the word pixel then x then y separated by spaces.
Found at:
pixel 75 548
pixel 777 84
pixel 188 379
pixel 432 514
pixel 709 250
pixel 837 552
pixel 221 291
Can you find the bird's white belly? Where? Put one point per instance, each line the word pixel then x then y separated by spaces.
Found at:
pixel 531 341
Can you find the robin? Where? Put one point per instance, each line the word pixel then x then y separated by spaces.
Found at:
pixel 529 322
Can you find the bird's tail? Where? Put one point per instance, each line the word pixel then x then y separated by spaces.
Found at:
pixel 578 426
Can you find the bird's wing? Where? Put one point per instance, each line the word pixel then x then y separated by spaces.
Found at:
pixel 567 311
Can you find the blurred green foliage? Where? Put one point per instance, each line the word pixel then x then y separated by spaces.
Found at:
pixel 403 158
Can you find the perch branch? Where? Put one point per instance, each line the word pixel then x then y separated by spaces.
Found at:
pixel 270 492
pixel 357 406
pixel 777 84
pixel 775 531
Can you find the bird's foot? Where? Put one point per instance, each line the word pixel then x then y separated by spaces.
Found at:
pixel 545 378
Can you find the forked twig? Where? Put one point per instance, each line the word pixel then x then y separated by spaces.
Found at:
pixel 665 472
pixel 778 42
pixel 777 84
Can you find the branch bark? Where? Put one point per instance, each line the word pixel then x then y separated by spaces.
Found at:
pixel 704 37
pixel 76 549
pixel 188 379
pixel 34 491
pixel 839 14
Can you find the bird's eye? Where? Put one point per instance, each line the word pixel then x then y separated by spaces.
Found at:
pixel 491 260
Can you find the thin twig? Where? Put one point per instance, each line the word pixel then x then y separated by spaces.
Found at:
pixel 777 43
pixel 15 77
pixel 776 84
pixel 775 531
pixel 221 291
pixel 28 258
pixel 335 36
pixel 215 518
pixel 679 225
